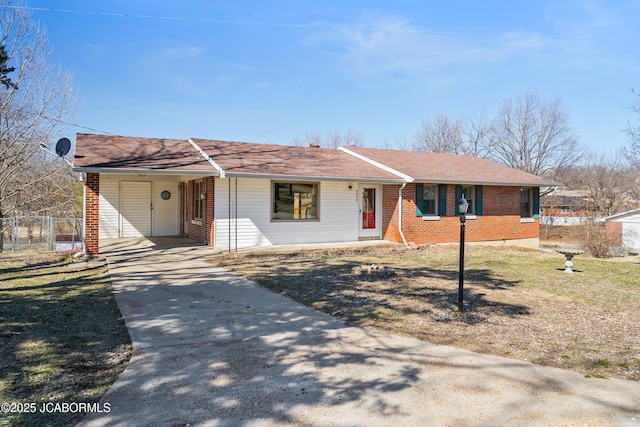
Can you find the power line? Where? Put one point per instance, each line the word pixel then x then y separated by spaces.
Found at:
pixel 78 126
pixel 332 27
pixel 58 121
pixel 253 23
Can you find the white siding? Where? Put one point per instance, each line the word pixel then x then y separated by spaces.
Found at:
pixel 109 206
pixel 166 212
pixel 631 231
pixel 135 209
pixel 164 218
pixel 338 210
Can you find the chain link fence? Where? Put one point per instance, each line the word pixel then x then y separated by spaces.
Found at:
pixel 40 234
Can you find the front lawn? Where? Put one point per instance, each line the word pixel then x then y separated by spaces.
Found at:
pixel 518 303
pixel 62 338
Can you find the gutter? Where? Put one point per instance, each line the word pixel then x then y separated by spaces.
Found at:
pixel 404 240
pixel 141 171
pixel 207 158
pixel 311 178
pixel 487 183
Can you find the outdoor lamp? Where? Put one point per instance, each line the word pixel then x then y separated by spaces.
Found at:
pixel 463 206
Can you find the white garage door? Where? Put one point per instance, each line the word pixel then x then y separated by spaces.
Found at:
pixel 135 209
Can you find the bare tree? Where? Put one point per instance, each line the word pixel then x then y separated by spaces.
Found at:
pixel 632 149
pixel 606 178
pixel 332 139
pixel 34 106
pixel 439 135
pixel 310 138
pixel 475 131
pixel 533 135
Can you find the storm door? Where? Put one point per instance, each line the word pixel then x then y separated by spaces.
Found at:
pixel 370 211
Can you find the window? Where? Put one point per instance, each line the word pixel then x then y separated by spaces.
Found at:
pixel 530 202
pixel 197 199
pixel 526 198
pixel 430 199
pixel 294 201
pixel 473 195
pixel 469 194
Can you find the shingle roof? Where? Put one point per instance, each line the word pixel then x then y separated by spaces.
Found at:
pixel 102 152
pixel 119 153
pixel 450 168
pixel 561 201
pixel 241 158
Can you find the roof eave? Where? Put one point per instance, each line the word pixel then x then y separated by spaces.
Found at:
pixel 621 215
pixel 483 182
pixel 314 178
pixel 90 169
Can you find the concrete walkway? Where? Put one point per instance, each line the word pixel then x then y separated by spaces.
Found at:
pixel 213 349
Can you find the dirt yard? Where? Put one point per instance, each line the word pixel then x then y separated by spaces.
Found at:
pixel 517 303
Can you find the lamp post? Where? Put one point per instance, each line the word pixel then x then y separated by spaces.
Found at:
pixel 463 206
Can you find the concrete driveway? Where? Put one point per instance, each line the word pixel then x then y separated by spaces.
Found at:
pixel 213 349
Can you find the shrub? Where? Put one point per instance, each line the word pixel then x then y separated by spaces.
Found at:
pixel 596 241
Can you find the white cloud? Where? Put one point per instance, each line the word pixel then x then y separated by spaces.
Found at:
pixel 189 69
pixel 379 45
pixel 182 52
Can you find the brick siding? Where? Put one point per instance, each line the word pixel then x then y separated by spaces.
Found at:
pixel 614 233
pixel 500 219
pixel 92 213
pixel 203 230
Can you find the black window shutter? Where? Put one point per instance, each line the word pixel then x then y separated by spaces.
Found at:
pixel 458 197
pixel 442 200
pixel 478 200
pixel 536 202
pixel 419 200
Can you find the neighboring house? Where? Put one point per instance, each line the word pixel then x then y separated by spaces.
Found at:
pixel 566 207
pixel 623 230
pixel 232 195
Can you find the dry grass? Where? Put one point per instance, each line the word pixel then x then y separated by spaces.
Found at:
pixel 62 337
pixel 518 303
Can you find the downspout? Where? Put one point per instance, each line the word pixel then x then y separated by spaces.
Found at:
pixel 235 206
pixel 84 218
pixel 229 215
pixel 204 209
pixel 404 240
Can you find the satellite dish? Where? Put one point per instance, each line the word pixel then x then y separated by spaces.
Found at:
pixel 63 146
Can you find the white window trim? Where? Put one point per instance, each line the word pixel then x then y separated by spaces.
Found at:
pixel 531 213
pixel 431 216
pixel 301 220
pixel 197 220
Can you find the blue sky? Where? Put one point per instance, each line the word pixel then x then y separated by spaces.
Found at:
pixel 269 71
